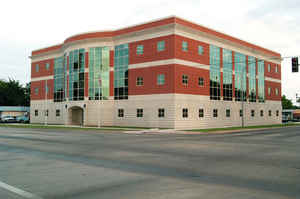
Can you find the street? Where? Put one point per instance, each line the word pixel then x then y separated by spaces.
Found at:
pixel 62 164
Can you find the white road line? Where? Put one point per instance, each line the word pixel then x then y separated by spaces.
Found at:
pixel 18 191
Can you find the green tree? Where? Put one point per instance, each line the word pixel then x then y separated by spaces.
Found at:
pixel 287 103
pixel 12 93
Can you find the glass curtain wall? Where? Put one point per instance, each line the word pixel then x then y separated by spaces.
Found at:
pixel 214 54
pixel 227 75
pixel 261 81
pixel 99 73
pixel 252 78
pixel 59 74
pixel 76 74
pixel 240 77
pixel 121 72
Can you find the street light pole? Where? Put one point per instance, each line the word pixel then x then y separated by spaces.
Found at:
pixel 46 111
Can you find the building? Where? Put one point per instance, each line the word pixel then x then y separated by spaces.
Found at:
pixel 14 110
pixel 168 73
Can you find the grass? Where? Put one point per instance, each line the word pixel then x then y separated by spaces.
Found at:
pixel 244 128
pixel 39 126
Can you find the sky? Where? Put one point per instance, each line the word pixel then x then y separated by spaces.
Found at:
pixel 34 24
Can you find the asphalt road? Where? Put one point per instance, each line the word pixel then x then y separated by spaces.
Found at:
pixel 44 163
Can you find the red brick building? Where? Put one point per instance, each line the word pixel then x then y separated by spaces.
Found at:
pixel 167 73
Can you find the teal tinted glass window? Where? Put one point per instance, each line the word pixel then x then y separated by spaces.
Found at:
pixel 99 73
pixel 227 75
pixel 37 68
pixel 59 80
pixel 240 77
pixel 160 79
pixel 214 72
pixel 261 81
pixel 200 50
pixel 47 66
pixel 36 91
pixel 252 78
pixel 139 49
pixel 184 46
pixel 160 46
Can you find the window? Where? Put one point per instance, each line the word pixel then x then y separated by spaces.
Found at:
pixel 252 113
pixel 184 46
pixel 120 112
pixel 252 78
pixel 160 79
pixel 46 89
pixel 60 78
pixel 269 68
pixel 269 91
pixel 160 46
pixel 185 113
pixel 200 81
pixel 227 75
pixel 201 113
pixel 185 79
pixel 161 112
pixel 36 113
pixel 139 81
pixel 261 113
pixel 241 113
pixel 200 50
pixel 276 68
pixel 140 50
pixel 227 112
pixel 240 77
pixel 270 113
pixel 47 66
pixel 37 68
pixel 47 112
pixel 139 112
pixel 36 91
pixel 215 113
pixel 57 112
pixel 277 91
pixel 261 81
pixel 277 113
pixel 214 73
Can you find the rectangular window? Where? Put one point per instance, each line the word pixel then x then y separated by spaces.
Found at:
pixel 160 46
pixel 277 91
pixel 241 113
pixel 161 112
pixel 36 91
pixel 201 81
pixel 184 46
pixel 277 113
pixel 269 68
pixel 201 112
pixel 261 81
pixel 139 81
pixel 270 113
pixel 120 112
pixel 252 78
pixel 47 113
pixel 227 75
pixel 47 66
pixel 46 89
pixel 276 68
pixel 200 50
pixel 214 72
pixel 261 113
pixel 252 113
pixel 160 79
pixel 140 49
pixel 215 113
pixel 185 79
pixel 227 112
pixel 36 113
pixel 269 91
pixel 240 77
pixel 185 113
pixel 57 113
pixel 37 68
pixel 139 112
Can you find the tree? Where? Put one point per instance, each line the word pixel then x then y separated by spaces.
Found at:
pixel 12 93
pixel 286 103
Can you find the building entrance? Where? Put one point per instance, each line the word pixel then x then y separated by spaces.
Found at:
pixel 75 114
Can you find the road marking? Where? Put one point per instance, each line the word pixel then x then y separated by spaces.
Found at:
pixel 18 191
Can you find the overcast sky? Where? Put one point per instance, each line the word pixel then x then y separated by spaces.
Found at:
pixel 33 24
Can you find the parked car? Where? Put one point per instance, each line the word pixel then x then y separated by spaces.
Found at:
pixel 8 119
pixel 22 119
